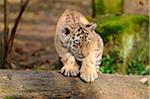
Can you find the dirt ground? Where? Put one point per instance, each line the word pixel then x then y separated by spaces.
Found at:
pixel 33 46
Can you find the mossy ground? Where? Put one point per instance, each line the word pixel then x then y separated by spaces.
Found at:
pixel 126 43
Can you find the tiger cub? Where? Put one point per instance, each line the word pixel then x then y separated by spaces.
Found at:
pixel 78 45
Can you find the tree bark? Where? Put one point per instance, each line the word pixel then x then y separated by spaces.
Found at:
pixel 93 8
pixel 46 85
pixel 4 39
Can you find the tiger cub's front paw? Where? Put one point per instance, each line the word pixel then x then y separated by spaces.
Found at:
pixel 70 70
pixel 88 74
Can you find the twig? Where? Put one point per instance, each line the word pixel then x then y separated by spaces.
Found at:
pixel 13 32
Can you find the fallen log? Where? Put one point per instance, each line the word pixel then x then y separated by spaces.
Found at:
pixel 22 84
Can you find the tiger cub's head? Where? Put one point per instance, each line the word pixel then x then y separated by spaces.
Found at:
pixel 77 38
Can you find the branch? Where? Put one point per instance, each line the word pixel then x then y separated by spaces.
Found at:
pixel 47 85
pixel 13 32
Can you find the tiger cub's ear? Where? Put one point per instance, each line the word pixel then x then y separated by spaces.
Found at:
pixel 91 26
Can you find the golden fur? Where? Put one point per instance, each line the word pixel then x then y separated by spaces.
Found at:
pixel 76 40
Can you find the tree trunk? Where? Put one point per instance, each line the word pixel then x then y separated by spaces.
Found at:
pixel 93 8
pixel 46 85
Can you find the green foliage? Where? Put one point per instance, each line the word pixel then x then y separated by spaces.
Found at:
pixel 1 2
pixel 126 39
pixel 100 8
pixel 113 6
pixel 109 6
pixel 136 67
pixel 113 63
pixel 11 97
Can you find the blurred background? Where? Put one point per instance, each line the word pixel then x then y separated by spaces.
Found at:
pixel 123 25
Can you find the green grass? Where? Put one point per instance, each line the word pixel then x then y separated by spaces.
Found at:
pixel 12 97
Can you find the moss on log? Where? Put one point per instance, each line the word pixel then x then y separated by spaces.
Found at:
pixel 44 85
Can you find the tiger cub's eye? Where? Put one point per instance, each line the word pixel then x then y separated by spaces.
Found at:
pixel 88 25
pixel 66 31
